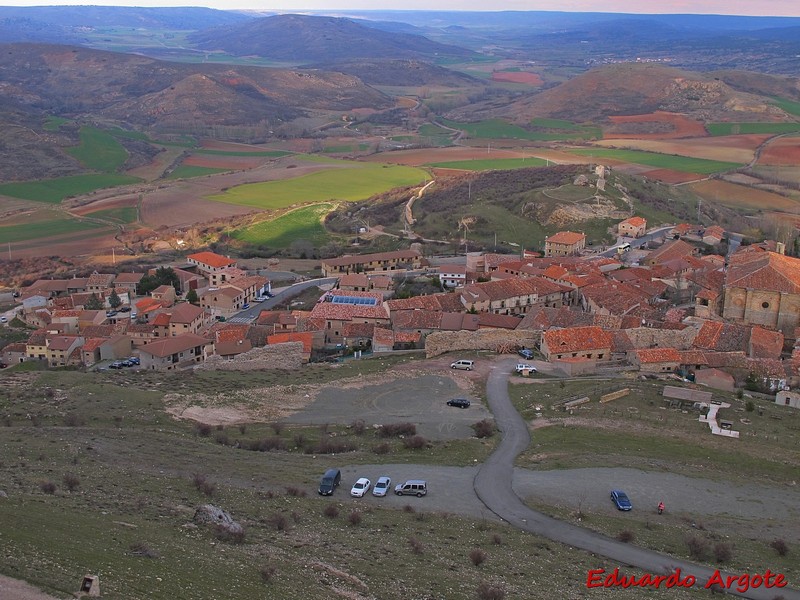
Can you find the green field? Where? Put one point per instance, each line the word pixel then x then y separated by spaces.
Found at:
pixel 55 190
pixel 720 129
pixel 485 165
pixel 301 224
pixel 187 172
pixel 343 148
pixel 122 214
pixel 659 161
pixel 53 123
pixel 44 228
pixel 541 130
pixel 790 106
pixel 356 181
pixel 261 153
pixel 99 150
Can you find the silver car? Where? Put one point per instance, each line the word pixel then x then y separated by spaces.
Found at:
pixel 382 486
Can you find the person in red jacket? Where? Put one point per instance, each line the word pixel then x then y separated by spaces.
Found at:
pixel 660 507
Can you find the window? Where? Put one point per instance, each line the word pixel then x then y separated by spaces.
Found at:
pixel 765 305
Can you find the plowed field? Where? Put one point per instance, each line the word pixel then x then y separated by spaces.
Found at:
pixel 732 148
pixel 781 152
pixel 738 196
pixel 655 126
pixel 517 77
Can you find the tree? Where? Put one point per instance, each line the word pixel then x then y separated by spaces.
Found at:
pixel 93 303
pixel 162 276
pixel 113 299
pixel 191 296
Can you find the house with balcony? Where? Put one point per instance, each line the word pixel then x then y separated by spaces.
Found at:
pixel 173 353
pixel 564 243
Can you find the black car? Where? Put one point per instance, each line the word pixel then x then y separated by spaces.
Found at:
pixel 526 353
pixel 459 402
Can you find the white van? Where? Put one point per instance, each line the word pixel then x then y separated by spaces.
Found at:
pixel 466 365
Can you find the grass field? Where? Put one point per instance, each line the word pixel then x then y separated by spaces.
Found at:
pixel 187 172
pixel 42 225
pixel 540 130
pixel 344 148
pixel 790 106
pixel 264 153
pixel 300 224
pixel 719 129
pixel 121 214
pixel 356 181
pixel 53 123
pixel 485 165
pixel 53 191
pixel 661 161
pixel 99 150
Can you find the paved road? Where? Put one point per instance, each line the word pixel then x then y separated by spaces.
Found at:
pixel 493 486
pixel 251 314
pixel 638 242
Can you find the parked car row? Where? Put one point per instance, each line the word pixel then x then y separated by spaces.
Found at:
pixel 332 478
pixel 133 361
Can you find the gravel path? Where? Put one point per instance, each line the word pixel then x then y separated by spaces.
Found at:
pixel 14 589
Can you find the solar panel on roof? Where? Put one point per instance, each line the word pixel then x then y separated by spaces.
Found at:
pixel 357 300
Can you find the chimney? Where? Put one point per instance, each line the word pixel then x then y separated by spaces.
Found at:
pixel 780 248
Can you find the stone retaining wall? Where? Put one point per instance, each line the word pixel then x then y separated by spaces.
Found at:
pixel 644 337
pixel 288 355
pixel 441 342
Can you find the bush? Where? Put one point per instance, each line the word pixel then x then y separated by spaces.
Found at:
pixel 74 420
pixel 497 539
pixel 71 482
pixel 396 429
pixel 780 546
pixel 48 487
pixel 415 442
pixel 477 556
pixel 359 427
pixel 278 521
pixel 698 547
pixel 330 447
pixel 416 546
pixel 382 448
pixel 355 517
pixel 487 591
pixel 203 430
pixel 483 429
pixel 295 492
pixel 221 438
pixel 270 444
pixel 723 552
pixel 224 534
pixel 625 536
pixel 749 406
pixel 267 573
pixel 142 549
pixel 299 440
pixel 331 511
pixel 202 484
pixel 277 427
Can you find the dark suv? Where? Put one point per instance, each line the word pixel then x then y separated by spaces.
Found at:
pixel 459 402
pixel 526 353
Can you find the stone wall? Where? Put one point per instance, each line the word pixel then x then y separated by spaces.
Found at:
pixel 288 355
pixel 484 339
pixel 644 337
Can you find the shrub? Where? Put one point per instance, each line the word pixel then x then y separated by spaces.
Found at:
pixel 221 438
pixel 278 521
pixel 359 427
pixel 780 546
pixel 415 442
pixel 203 430
pixel 477 556
pixel 270 444
pixel 409 509
pixel 267 573
pixel 330 447
pixel 497 539
pixel 382 448
pixel 299 440
pixel 296 517
pixel 242 428
pixel 416 546
pixel 71 482
pixel 295 492
pixel 487 591
pixel 331 511
pixel 74 420
pixel 396 429
pixel 355 517
pixel 749 406
pixel 625 536
pixel 483 429
pixel 723 552
pixel 277 427
pixel 203 485
pixel 698 547
pixel 48 487
pixel 142 549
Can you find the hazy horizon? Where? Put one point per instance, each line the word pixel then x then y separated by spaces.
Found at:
pixel 765 8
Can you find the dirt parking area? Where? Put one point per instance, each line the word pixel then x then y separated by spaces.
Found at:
pixel 14 589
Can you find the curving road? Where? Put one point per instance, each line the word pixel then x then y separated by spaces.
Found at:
pixel 492 484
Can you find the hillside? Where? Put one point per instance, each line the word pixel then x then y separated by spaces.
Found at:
pixel 407 72
pixel 634 88
pixel 307 39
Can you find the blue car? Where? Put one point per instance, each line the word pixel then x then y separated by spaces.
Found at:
pixel 526 353
pixel 621 500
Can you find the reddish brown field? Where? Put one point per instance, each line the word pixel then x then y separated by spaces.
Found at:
pixel 670 176
pixel 668 126
pixel 738 149
pixel 104 204
pixel 518 77
pixel 738 196
pixel 230 146
pixel 229 163
pixel 423 156
pixel 781 152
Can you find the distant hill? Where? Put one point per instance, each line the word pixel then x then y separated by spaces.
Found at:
pixel 408 72
pixel 634 88
pixel 309 39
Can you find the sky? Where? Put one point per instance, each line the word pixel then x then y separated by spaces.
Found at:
pixel 788 8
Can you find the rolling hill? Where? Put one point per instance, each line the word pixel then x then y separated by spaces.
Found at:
pixel 400 72
pixel 310 39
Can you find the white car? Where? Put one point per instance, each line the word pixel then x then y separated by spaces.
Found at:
pixel 360 487
pixel 383 485
pixel 525 367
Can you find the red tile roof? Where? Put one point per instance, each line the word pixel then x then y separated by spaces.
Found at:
pixel 577 339
pixel 165 347
pixel 306 338
pixel 212 259
pixel 344 261
pixel 764 271
pixel 634 222
pixel 566 237
pixel 658 355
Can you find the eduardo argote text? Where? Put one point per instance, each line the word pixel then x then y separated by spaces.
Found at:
pixel 597 578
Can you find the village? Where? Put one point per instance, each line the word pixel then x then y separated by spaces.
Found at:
pixel 677 310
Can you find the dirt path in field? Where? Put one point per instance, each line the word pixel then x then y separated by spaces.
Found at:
pixel 14 589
